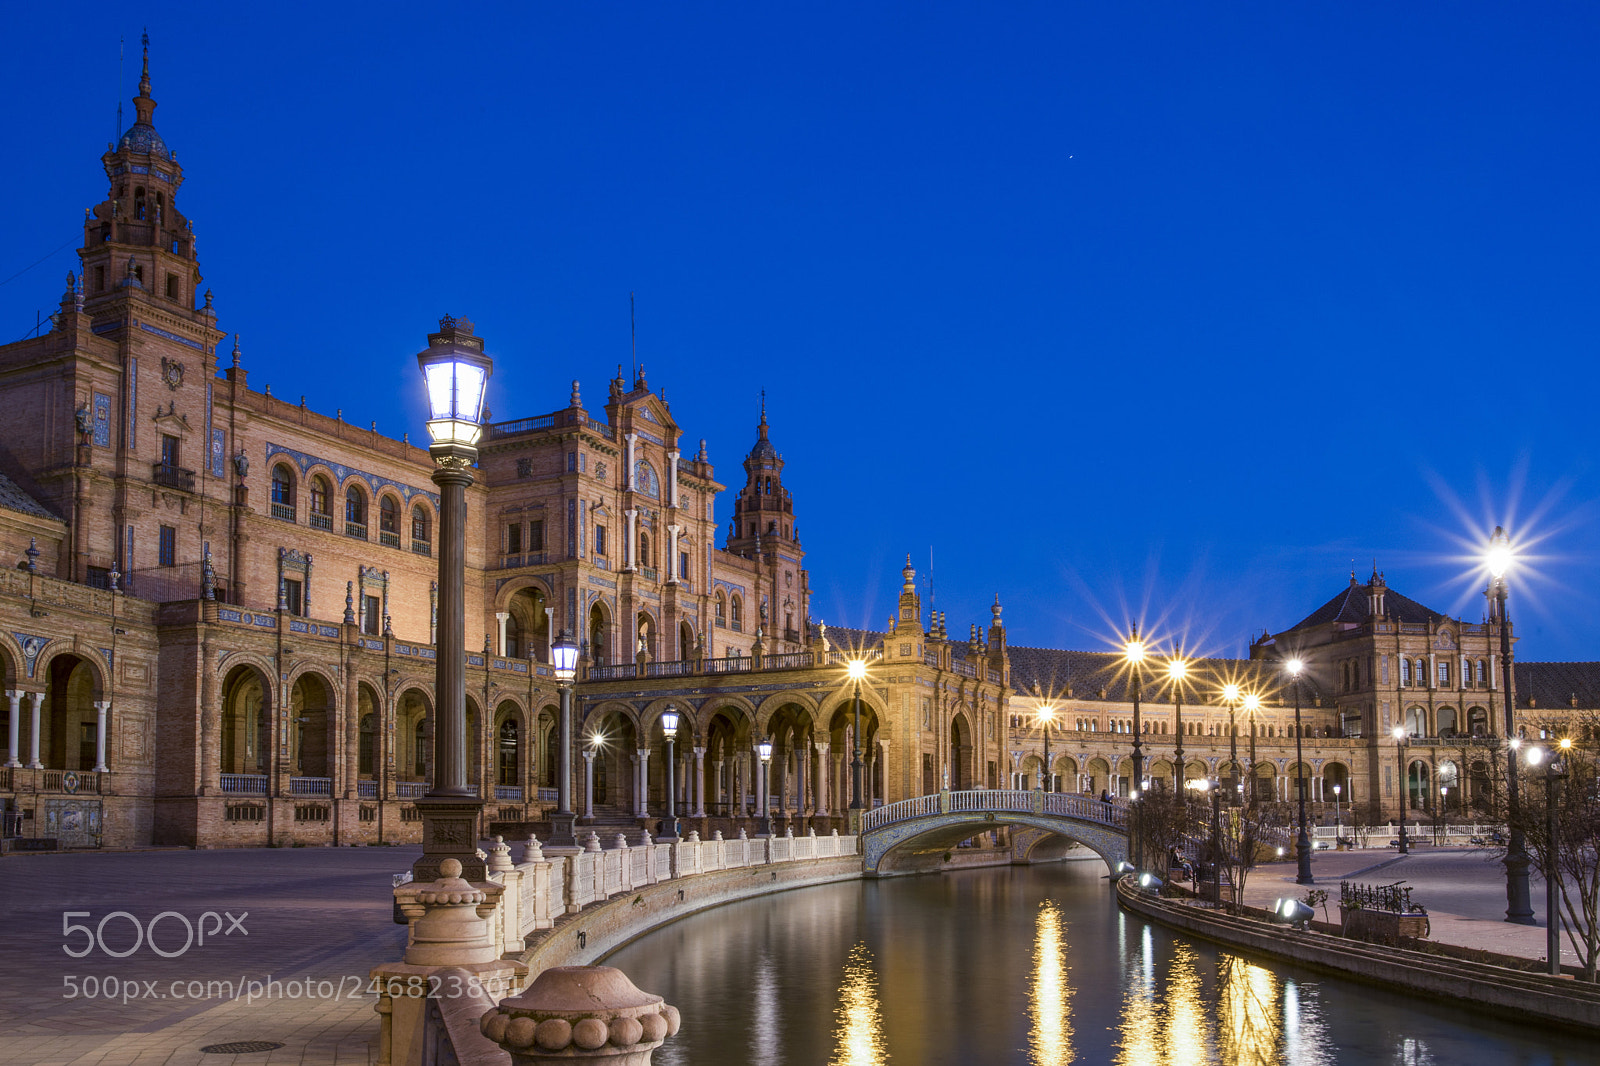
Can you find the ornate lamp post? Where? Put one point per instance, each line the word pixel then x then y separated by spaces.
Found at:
pixel 455 369
pixel 1338 819
pixel 564 662
pixel 1400 739
pixel 1133 654
pixel 764 750
pixel 1047 715
pixel 1252 704
pixel 1231 696
pixel 1177 671
pixel 1302 843
pixel 857 670
pixel 1519 904
pixel 669 729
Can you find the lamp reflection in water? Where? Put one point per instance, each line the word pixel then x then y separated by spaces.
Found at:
pixel 858 1036
pixel 1049 1002
pixel 1247 1016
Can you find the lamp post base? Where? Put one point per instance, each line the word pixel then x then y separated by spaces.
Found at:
pixel 450 831
pixel 1302 851
pixel 1519 902
pixel 561 834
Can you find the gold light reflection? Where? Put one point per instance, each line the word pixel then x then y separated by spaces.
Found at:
pixel 1141 1028
pixel 859 1032
pixel 1247 1015
pixel 1187 1040
pixel 1049 1006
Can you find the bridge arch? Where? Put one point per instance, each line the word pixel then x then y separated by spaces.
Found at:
pixel 939 821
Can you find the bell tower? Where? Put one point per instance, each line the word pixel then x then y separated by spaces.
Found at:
pixel 136 243
pixel 763 512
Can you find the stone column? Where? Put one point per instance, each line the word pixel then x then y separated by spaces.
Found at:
pixel 699 810
pixel 802 757
pixel 626 481
pixel 588 783
pixel 630 539
pixel 719 787
pixel 672 556
pixel 550 633
pixel 672 478
pixel 740 778
pixel 643 793
pixel 824 779
pixel 14 733
pixel 37 700
pixel 502 617
pixel 101 707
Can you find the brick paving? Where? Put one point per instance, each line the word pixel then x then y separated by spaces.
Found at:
pixel 1463 889
pixel 317 913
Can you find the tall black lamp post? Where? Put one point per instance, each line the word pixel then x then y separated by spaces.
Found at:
pixel 455 370
pixel 1555 772
pixel 1133 653
pixel 1400 745
pixel 1519 903
pixel 1231 696
pixel 564 663
pixel 1302 843
pixel 1177 672
pixel 1047 715
pixel 1252 704
pixel 764 752
pixel 857 669
pixel 669 730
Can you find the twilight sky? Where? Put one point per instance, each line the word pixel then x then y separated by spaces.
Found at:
pixel 1157 311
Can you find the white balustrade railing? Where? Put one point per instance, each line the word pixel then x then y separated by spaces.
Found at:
pixel 508 792
pixel 1013 801
pixel 245 784
pixel 411 789
pixel 367 790
pixel 310 786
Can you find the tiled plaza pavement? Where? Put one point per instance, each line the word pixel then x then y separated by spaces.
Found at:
pixel 318 913
pixel 1463 889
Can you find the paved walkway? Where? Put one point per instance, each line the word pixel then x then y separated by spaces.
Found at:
pixel 1463 889
pixel 317 915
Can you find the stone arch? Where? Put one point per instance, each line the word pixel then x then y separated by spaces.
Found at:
pixel 1478 722
pixel 1336 774
pixel 547 743
pixel 89 657
pixel 1419 784
pixel 528 633
pixel 1417 720
pixel 68 717
pixel 245 746
pixel 938 833
pixel 368 726
pixel 686 640
pixel 599 633
pixel 283 482
pixel 421 524
pixel 510 737
pixel 356 497
pixel 1066 770
pixel 390 511
pixel 646 636
pixel 1160 773
pixel 11 661
pixel 961 752
pixel 771 704
pixel 1098 772
pixel 1448 725
pixel 311 724
pixel 728 729
pixel 414 734
pixel 612 732
pixel 1264 777
pixel 1297 776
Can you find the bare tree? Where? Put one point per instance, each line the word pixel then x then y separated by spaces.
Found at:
pixel 1572 856
pixel 1166 821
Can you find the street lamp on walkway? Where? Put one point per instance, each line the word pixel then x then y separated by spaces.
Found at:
pixel 669 729
pixel 1133 654
pixel 1252 704
pixel 1519 903
pixel 857 669
pixel 1555 772
pixel 564 663
pixel 1231 696
pixel 1046 715
pixel 1177 672
pixel 1302 843
pixel 1400 745
pixel 455 370
pixel 764 752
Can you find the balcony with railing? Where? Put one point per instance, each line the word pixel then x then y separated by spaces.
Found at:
pixel 388 539
pixel 310 786
pixel 357 530
pixel 283 511
pixel 172 477
pixel 244 784
pixel 321 521
pixel 366 789
pixel 411 789
pixel 421 547
pixel 512 793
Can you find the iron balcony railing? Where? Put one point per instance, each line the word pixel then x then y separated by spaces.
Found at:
pixel 173 477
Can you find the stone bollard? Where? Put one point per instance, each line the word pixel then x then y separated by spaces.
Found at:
pixel 694 836
pixel 788 831
pixel 500 856
pixel 453 929
pixel 742 834
pixel 593 842
pixel 811 831
pixel 592 1013
pixel 531 851
pixel 716 835
pixel 622 842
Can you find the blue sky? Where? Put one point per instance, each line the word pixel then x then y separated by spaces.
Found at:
pixel 1169 312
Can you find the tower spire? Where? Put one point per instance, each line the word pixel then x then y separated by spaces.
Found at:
pixel 762 427
pixel 143 105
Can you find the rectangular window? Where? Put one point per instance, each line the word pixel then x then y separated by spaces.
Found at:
pixel 100 279
pixel 169 450
pixel 599 540
pixel 372 616
pixel 524 467
pixel 536 536
pixel 169 546
pixel 1405 671
pixel 292 596
pixel 572 461
pixel 1444 674
pixel 514 538
pixel 583 463
pixel 683 566
pixel 172 286
pixel 99 577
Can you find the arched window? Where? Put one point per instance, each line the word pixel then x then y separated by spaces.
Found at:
pixel 369 738
pixel 138 204
pixel 283 492
pixel 508 752
pixel 421 530
pixel 1481 673
pixel 389 520
pixel 419 749
pixel 644 548
pixel 355 513
pixel 737 610
pixel 1405 671
pixel 722 609
pixel 321 503
pixel 1422 672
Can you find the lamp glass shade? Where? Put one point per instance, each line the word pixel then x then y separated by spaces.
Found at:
pixel 1295 666
pixel 1252 702
pixel 669 722
pixel 564 656
pixel 456 381
pixel 1230 693
pixel 857 669
pixel 1498 557
pixel 764 749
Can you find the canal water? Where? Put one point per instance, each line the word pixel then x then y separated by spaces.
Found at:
pixel 1028 965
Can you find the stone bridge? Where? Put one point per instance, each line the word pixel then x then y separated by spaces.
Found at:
pixel 938 822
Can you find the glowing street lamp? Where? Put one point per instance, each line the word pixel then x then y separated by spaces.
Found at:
pixel 1519 903
pixel 564 664
pixel 1133 652
pixel 1302 843
pixel 1400 742
pixel 1555 772
pixel 1231 695
pixel 856 669
pixel 1252 704
pixel 1177 672
pixel 764 751
pixel 1046 715
pixel 669 729
pixel 455 370
pixel 1338 820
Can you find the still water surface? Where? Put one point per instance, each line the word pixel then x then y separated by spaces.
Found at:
pixel 1026 965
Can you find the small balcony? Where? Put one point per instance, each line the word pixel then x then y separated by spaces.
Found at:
pixel 284 511
pixel 421 547
pixel 172 477
pixel 390 540
pixel 322 521
pixel 358 530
